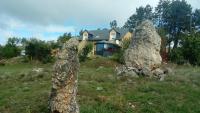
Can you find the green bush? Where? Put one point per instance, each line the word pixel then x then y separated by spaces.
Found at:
pixel 84 53
pixel 65 37
pixel 48 59
pixel 189 51
pixel 126 43
pixel 9 51
pixel 38 50
pixel 1 52
pixel 176 56
pixel 191 48
pixel 118 56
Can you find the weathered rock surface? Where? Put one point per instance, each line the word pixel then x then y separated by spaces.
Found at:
pixel 127 71
pixel 144 51
pixel 64 80
pixel 142 58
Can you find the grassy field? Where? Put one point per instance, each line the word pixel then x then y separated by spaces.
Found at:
pixel 23 91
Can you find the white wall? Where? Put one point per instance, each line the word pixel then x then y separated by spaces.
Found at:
pixel 117 42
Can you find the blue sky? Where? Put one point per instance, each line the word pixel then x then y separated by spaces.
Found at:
pixel 48 19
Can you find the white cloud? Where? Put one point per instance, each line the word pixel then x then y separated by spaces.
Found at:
pixel 59 29
pixel 7 22
pixel 31 18
pixel 85 12
pixel 10 27
pixel 81 12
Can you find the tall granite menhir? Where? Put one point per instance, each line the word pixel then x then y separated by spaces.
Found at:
pixel 64 80
pixel 144 51
pixel 142 58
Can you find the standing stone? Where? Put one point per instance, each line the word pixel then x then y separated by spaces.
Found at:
pixel 144 51
pixel 64 80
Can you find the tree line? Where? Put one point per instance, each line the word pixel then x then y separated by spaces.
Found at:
pixel 32 49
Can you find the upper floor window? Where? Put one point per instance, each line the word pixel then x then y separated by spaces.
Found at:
pixel 85 36
pixel 112 35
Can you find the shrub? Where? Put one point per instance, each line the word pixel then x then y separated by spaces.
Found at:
pixel 189 50
pixel 176 56
pixel 9 51
pixel 38 50
pixel 84 53
pixel 1 52
pixel 25 59
pixel 65 37
pixel 126 43
pixel 118 56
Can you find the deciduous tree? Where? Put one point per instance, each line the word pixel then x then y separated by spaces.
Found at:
pixel 142 13
pixel 113 24
pixel 65 37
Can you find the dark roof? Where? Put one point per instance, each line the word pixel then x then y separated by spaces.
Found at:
pixel 122 31
pixel 105 33
pixel 100 34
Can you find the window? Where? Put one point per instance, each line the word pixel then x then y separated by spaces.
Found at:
pixel 117 42
pixel 85 36
pixel 112 35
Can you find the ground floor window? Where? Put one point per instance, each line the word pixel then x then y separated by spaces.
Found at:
pixel 106 49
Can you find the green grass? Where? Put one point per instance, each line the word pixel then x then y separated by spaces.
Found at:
pixel 23 92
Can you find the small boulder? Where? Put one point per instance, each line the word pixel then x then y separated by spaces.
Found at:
pixel 37 70
pixel 2 63
pixel 162 77
pixel 168 70
pixel 146 72
pixel 158 72
pixel 99 88
pixel 132 74
pixel 126 71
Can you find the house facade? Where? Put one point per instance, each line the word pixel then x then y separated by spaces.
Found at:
pixel 106 41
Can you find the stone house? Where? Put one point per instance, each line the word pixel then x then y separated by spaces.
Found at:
pixel 105 41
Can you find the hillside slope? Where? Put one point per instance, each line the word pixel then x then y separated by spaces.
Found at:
pixel 24 91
